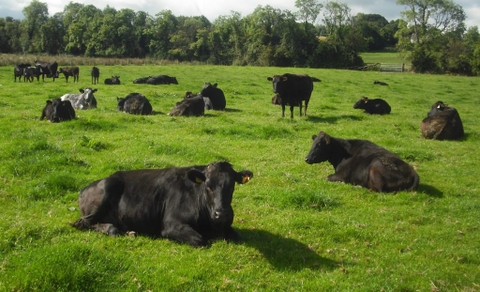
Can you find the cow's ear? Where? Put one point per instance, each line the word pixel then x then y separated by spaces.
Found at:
pixel 49 101
pixel 285 78
pixel 94 90
pixel 269 78
pixel 81 90
pixel 196 176
pixel 215 85
pixel 244 176
pixel 314 137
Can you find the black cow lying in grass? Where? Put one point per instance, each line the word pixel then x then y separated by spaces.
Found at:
pixel 375 106
pixel 186 204
pixel 134 103
pixel 442 123
pixel 380 83
pixel 190 106
pixel 363 163
pixel 58 110
pixel 215 94
pixel 115 80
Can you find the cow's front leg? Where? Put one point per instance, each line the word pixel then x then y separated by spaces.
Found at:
pixel 183 233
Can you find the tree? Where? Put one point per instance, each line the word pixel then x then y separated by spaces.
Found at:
pixel 36 15
pixel 52 33
pixel 308 10
pixel 430 27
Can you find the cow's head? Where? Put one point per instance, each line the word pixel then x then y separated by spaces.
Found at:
pixel 321 149
pixel 361 103
pixel 219 180
pixel 277 81
pixel 209 89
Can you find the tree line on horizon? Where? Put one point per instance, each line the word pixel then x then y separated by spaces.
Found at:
pixel 437 41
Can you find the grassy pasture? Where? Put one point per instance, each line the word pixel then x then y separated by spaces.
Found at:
pixel 301 233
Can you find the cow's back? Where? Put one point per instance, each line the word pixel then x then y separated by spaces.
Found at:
pixel 297 87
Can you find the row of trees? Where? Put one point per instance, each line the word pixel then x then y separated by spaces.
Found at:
pixel 317 35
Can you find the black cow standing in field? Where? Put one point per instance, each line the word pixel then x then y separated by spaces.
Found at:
pixel 58 110
pixel 185 204
pixel 191 106
pixel 374 106
pixel 162 79
pixel 363 163
pixel 442 123
pixel 115 80
pixel 30 73
pixel 95 73
pixel 47 69
pixel 292 90
pixel 134 103
pixel 215 94
pixel 18 71
pixel 70 71
pixel 83 100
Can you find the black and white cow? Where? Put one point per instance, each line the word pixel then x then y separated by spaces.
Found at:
pixel 70 71
pixel 215 94
pixel 58 110
pixel 363 163
pixel 95 73
pixel 47 69
pixel 185 204
pixel 376 106
pixel 134 103
pixel 115 80
pixel 442 123
pixel 83 100
pixel 292 90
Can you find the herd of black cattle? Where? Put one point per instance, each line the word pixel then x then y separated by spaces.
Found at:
pixel 193 204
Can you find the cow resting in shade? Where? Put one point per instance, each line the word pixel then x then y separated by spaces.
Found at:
pixel 442 123
pixel 376 106
pixel 58 110
pixel 292 90
pixel 185 204
pixel 363 163
pixel 134 103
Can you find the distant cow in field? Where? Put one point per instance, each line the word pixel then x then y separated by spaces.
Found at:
pixel 442 123
pixel 70 71
pixel 142 80
pixel 192 106
pixel 58 110
pixel 186 204
pixel 292 90
pixel 380 83
pixel 215 94
pixel 115 80
pixel 95 73
pixel 134 103
pixel 83 100
pixel 30 73
pixel 18 71
pixel 363 163
pixel 162 79
pixel 47 69
pixel 375 106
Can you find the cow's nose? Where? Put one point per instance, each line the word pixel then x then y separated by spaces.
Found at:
pixel 218 214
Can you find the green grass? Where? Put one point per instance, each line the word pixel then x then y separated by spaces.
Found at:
pixel 300 231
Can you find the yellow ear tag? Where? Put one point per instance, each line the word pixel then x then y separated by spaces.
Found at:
pixel 245 179
pixel 198 180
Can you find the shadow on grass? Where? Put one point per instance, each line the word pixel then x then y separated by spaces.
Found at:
pixel 285 253
pixel 332 120
pixel 430 190
pixel 232 110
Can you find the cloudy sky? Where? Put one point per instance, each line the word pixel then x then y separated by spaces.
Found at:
pixel 214 8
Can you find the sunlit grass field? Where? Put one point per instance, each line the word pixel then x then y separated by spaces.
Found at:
pixel 300 232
